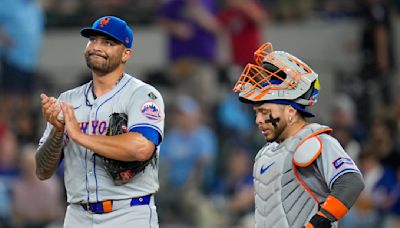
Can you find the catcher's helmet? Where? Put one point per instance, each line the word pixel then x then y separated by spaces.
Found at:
pixel 278 77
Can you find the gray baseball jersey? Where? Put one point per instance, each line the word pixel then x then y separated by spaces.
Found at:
pixel 85 178
pixel 281 200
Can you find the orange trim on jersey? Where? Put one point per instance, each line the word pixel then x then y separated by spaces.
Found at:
pixel 304 185
pixel 314 157
pixel 335 207
pixel 294 164
pixel 107 206
pixel 326 130
pixel 315 134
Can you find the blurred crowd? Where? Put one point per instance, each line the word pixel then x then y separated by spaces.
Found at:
pixel 211 138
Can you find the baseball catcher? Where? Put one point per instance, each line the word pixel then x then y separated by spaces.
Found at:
pixel 302 176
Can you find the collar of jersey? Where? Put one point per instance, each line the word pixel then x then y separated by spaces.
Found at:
pixel 91 97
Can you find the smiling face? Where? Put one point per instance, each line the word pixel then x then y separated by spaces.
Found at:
pixel 272 120
pixel 104 54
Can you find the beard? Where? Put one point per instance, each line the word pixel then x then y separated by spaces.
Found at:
pixel 102 67
pixel 278 132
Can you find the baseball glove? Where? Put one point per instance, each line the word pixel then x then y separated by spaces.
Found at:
pixel 122 171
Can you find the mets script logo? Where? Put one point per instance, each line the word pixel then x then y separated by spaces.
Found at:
pixel 151 111
pixel 104 21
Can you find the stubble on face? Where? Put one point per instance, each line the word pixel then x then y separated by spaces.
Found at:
pixel 277 130
pixel 272 123
pixel 100 62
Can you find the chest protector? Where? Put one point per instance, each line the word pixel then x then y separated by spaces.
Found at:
pixel 281 200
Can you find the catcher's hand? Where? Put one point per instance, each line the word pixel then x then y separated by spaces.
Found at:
pixel 121 171
pixel 318 221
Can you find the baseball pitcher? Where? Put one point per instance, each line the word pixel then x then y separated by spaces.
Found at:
pixel 107 133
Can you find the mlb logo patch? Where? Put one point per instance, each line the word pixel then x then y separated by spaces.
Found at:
pixel 340 161
pixel 151 111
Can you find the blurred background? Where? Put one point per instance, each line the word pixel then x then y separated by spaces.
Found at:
pixel 193 51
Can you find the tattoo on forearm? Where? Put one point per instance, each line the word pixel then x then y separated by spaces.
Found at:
pixel 48 155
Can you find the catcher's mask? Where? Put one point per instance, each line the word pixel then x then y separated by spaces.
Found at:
pixel 278 77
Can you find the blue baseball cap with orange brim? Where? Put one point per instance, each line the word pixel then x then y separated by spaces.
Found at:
pixel 111 26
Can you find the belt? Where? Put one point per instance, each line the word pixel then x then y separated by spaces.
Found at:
pixel 107 205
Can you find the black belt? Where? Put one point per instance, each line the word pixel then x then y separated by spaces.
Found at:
pixel 107 205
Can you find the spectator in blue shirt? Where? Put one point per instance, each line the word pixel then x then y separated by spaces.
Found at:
pixel 187 160
pixel 21 33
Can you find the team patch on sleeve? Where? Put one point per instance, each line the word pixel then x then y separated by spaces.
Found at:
pixel 340 161
pixel 151 111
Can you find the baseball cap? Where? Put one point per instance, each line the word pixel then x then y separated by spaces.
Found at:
pixel 111 26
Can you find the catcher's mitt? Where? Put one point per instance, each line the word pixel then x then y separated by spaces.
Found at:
pixel 121 171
